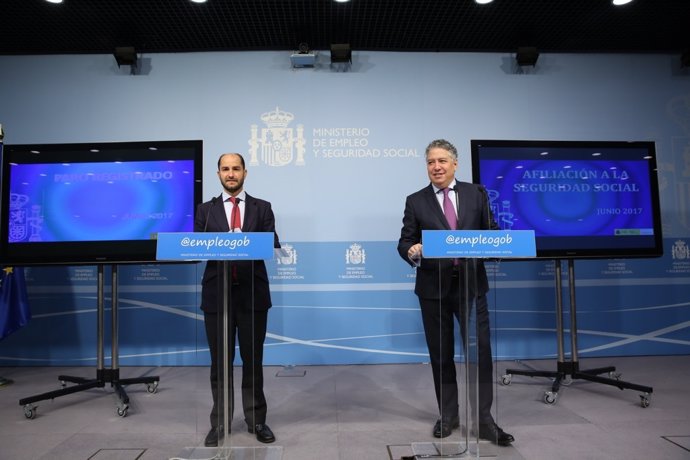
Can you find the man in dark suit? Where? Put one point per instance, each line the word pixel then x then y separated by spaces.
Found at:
pixel 250 298
pixel 447 204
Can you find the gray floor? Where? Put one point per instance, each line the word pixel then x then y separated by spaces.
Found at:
pixel 351 413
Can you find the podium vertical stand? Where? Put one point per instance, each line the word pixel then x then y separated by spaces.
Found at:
pixel 461 252
pixel 223 249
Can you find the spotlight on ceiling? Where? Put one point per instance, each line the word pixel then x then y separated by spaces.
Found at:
pixel 341 52
pixel 526 56
pixel 304 57
pixel 126 55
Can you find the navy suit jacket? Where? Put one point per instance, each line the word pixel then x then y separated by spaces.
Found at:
pixel 423 212
pixel 258 217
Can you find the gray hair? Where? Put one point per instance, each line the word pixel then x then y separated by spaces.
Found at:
pixel 442 144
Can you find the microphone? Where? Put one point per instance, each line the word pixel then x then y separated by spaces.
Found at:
pixel 208 213
pixel 485 193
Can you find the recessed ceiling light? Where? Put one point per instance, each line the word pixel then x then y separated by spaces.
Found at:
pixel 54 1
pixel 198 1
pixel 483 2
pixel 621 2
pixel 342 1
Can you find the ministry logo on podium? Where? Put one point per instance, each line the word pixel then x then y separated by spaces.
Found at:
pixel 288 255
pixel 355 260
pixel 355 255
pixel 287 269
pixel 277 144
pixel 680 250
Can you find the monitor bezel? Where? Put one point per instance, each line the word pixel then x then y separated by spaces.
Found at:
pixel 565 252
pixel 89 252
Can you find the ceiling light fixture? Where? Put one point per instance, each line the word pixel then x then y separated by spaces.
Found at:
pixel 341 53
pixel 126 55
pixel 198 1
pixel 342 1
pixel 527 56
pixel 54 1
pixel 621 2
pixel 685 60
pixel 304 57
pixel 483 2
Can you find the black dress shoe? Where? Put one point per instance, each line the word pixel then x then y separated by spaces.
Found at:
pixel 444 428
pixel 212 437
pixel 494 433
pixel 263 433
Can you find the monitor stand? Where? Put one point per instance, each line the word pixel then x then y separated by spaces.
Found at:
pixel 103 375
pixel 566 372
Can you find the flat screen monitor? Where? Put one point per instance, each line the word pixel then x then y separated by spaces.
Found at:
pixel 96 202
pixel 583 199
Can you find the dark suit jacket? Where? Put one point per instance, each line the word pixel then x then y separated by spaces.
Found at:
pixel 258 217
pixel 423 212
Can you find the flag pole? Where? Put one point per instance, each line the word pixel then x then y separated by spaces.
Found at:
pixel 3 381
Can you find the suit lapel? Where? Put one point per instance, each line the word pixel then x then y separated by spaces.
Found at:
pixel 219 217
pixel 462 206
pixel 435 207
pixel 250 214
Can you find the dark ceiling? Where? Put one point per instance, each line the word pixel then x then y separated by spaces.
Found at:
pixel 156 26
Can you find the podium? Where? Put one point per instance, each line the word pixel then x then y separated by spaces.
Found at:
pixel 459 254
pixel 223 249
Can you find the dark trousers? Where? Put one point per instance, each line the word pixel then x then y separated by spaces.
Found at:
pixel 439 322
pixel 248 327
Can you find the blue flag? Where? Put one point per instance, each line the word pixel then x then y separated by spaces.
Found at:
pixel 14 303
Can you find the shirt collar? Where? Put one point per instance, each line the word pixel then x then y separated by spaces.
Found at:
pixel 242 196
pixel 451 185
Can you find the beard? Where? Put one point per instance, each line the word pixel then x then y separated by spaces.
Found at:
pixel 232 189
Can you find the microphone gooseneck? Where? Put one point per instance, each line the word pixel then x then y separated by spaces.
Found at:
pixel 485 193
pixel 208 213
pixel 457 206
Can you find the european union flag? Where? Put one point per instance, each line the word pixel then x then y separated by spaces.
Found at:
pixel 14 303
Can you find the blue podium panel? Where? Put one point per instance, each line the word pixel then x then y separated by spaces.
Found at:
pixel 452 244
pixel 189 246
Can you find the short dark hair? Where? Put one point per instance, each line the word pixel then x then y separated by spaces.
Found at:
pixel 441 144
pixel 238 154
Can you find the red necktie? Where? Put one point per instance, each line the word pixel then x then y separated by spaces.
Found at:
pixel 235 219
pixel 235 226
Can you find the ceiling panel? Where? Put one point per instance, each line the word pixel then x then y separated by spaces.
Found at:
pixel 155 26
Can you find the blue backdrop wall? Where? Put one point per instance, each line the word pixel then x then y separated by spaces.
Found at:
pixel 336 152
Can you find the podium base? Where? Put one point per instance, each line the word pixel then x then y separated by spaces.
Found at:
pixel 453 450
pixel 231 453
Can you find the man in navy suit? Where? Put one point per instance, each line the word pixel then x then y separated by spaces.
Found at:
pixel 440 281
pixel 250 298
